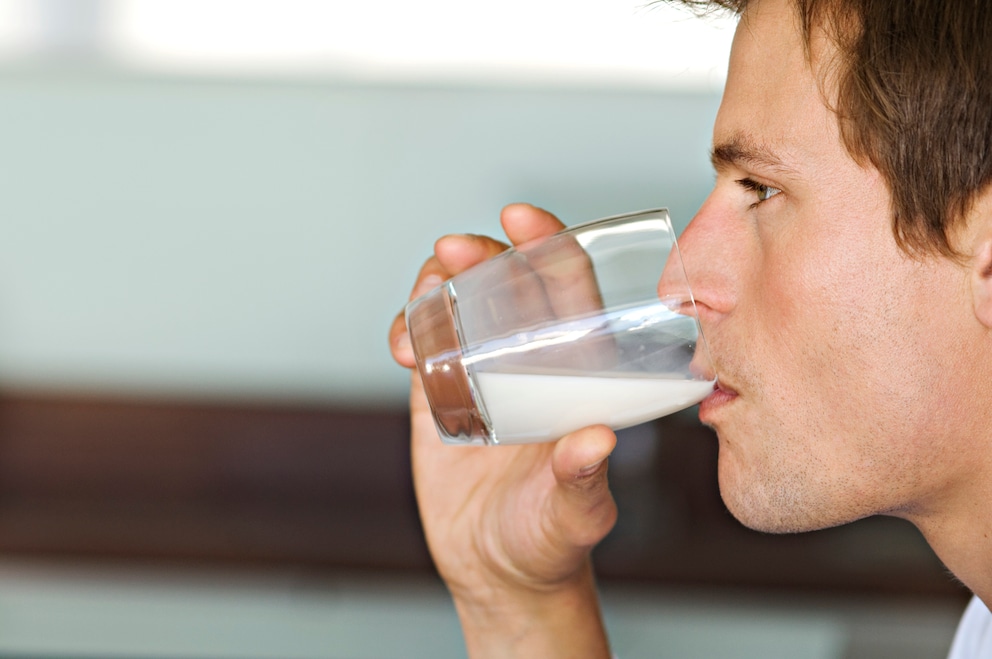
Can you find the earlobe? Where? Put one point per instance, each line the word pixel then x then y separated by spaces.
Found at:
pixel 982 282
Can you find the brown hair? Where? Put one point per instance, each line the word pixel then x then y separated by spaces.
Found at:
pixel 914 98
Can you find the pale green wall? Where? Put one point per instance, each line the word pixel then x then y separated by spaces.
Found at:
pixel 255 238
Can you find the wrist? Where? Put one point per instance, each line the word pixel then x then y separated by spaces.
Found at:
pixel 547 620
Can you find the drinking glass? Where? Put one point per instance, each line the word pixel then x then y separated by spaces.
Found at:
pixel 595 324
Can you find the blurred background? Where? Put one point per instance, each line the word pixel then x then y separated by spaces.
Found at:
pixel 211 212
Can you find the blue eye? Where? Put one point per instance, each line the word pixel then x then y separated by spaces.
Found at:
pixel 762 191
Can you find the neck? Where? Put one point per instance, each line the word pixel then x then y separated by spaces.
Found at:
pixel 961 536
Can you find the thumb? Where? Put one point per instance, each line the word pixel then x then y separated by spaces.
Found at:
pixel 583 506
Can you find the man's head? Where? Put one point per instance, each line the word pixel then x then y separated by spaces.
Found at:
pixel 913 83
pixel 854 371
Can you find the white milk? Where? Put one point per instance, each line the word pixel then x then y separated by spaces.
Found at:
pixel 538 407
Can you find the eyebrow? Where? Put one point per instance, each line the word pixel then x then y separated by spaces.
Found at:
pixel 741 150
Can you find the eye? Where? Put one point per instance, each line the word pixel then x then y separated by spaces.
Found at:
pixel 762 191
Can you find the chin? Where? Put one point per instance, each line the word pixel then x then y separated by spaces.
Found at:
pixel 784 510
pixel 767 521
pixel 756 516
pixel 770 505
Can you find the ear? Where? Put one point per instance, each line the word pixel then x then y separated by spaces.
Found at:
pixel 981 280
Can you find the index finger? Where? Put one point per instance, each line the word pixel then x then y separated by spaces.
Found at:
pixel 523 223
pixel 452 254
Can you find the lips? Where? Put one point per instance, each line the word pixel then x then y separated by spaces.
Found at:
pixel 722 395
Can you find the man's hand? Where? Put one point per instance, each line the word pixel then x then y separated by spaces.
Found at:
pixel 510 528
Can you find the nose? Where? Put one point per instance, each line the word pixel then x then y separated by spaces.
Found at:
pixel 709 249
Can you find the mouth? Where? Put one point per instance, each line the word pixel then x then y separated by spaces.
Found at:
pixel 721 396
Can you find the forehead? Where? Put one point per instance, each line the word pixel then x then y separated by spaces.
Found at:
pixel 773 98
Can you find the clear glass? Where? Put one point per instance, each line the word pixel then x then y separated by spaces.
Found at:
pixel 595 324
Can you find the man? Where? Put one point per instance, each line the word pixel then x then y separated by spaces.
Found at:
pixel 842 267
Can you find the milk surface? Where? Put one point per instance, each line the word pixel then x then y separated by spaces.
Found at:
pixel 527 407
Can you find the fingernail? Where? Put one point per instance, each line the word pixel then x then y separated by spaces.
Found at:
pixel 403 342
pixel 590 469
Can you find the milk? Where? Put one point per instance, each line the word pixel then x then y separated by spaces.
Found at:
pixel 528 407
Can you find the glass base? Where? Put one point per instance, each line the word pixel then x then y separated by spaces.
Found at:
pixel 432 324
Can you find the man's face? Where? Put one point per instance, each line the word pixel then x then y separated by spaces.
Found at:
pixel 842 360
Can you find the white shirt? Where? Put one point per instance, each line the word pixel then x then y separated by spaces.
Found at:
pixel 973 639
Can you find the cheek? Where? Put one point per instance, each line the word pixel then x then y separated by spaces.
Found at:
pixel 858 350
pixel 792 313
pixel 829 346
